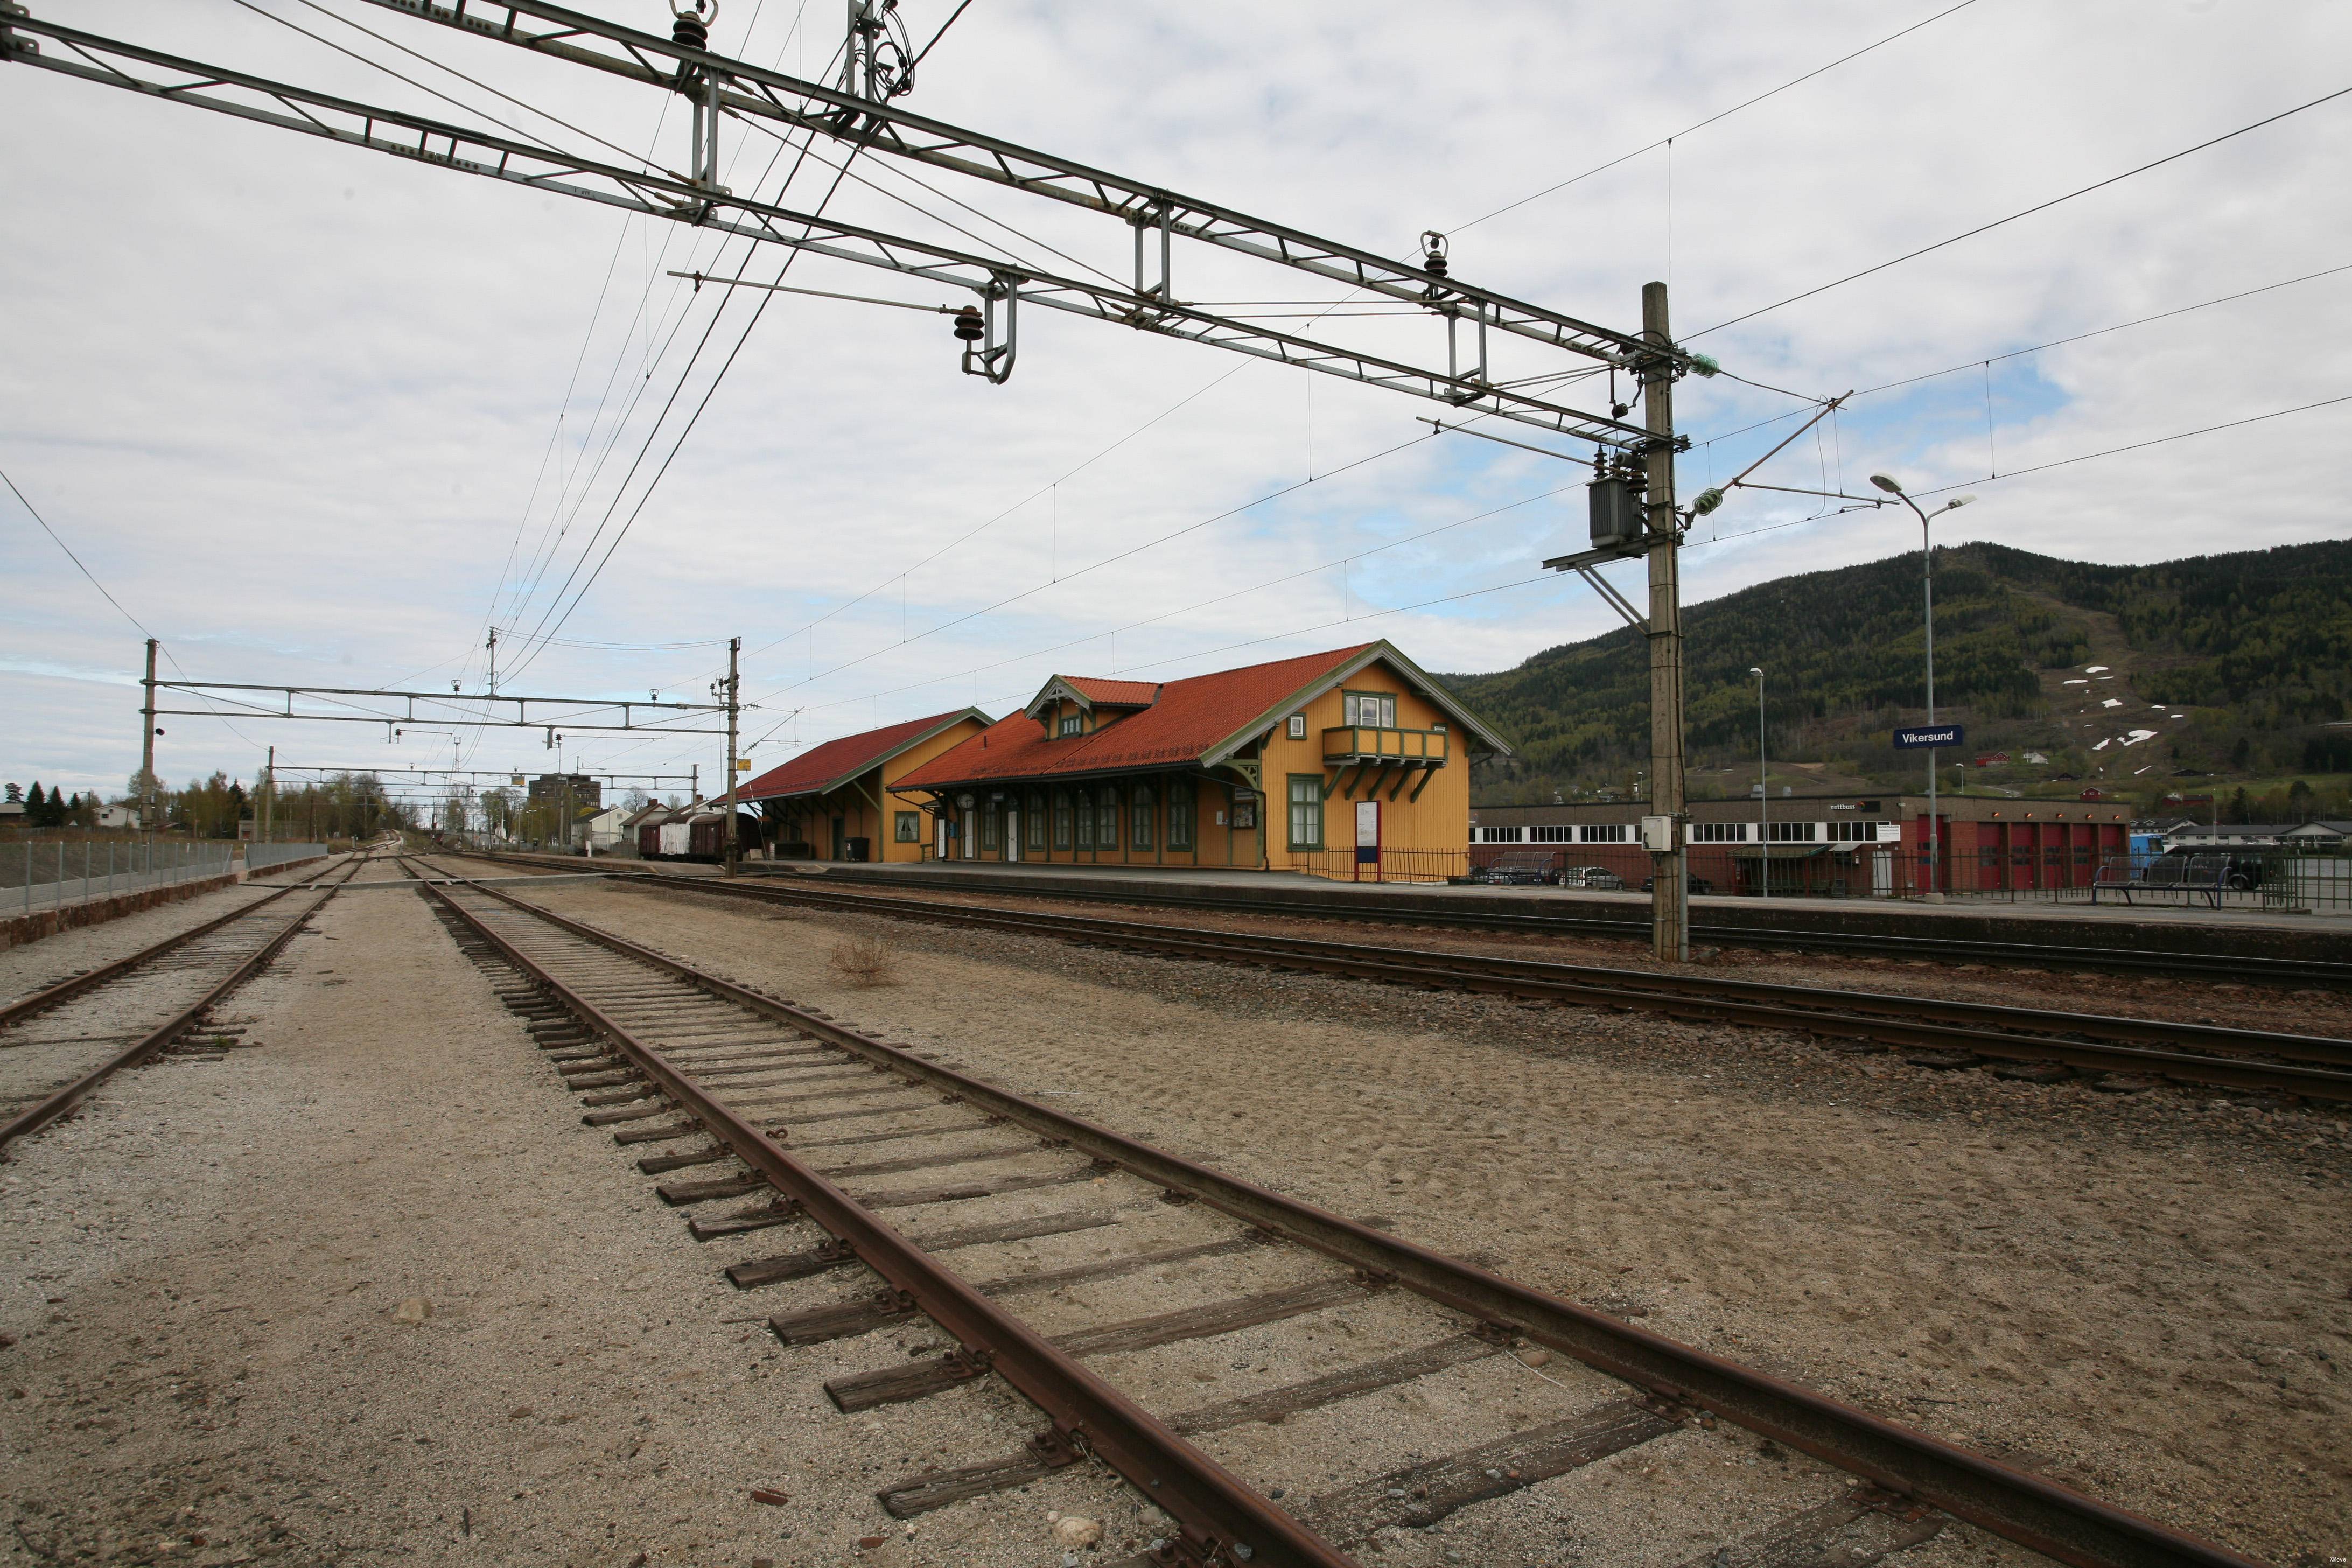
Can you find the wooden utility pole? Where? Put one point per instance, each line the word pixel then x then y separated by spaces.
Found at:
pixel 732 850
pixel 147 747
pixel 1669 866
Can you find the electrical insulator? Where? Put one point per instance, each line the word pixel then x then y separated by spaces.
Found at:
pixel 690 29
pixel 1432 245
pixel 969 326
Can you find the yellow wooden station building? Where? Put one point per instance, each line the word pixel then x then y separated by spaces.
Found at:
pixel 1349 762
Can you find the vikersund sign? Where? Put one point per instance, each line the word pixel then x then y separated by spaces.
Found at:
pixel 1940 735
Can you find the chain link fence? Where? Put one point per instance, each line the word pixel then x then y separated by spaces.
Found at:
pixel 2258 878
pixel 259 857
pixel 39 876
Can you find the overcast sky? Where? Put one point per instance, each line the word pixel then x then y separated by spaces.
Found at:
pixel 315 414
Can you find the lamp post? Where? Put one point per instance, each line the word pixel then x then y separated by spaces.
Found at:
pixel 1763 797
pixel 1927 579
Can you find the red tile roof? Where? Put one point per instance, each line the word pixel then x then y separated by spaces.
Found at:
pixel 1190 717
pixel 1117 693
pixel 822 768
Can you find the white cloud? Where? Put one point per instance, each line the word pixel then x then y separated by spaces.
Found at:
pixel 292 401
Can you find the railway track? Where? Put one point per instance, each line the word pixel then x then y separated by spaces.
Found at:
pixel 1934 1032
pixel 861 1168
pixel 2169 963
pixel 92 1025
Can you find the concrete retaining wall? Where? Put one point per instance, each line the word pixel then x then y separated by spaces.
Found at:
pixel 18 929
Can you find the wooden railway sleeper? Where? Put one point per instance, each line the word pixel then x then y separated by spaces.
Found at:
pixel 2026 1509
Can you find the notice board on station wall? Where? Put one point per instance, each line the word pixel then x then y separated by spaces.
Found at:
pixel 1367 833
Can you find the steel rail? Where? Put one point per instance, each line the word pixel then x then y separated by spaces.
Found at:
pixel 44 1111
pixel 2157 961
pixel 1223 1518
pixel 2238 968
pixel 1780 1003
pixel 1985 1029
pixel 2033 1511
pixel 65 990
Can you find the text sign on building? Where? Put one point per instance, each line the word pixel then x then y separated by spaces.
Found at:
pixel 1940 735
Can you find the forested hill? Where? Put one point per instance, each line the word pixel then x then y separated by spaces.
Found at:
pixel 2254 648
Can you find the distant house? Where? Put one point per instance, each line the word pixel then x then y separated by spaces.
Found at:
pixel 2325 834
pixel 2210 837
pixel 116 817
pixel 606 829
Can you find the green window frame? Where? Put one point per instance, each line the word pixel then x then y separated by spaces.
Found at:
pixel 1307 811
pixel 1180 811
pixel 910 827
pixel 1139 833
pixel 1106 819
pixel 1086 818
pixel 1062 819
pixel 1033 817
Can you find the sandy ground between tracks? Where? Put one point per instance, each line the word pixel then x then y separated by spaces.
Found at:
pixel 2149 1297
pixel 197 1275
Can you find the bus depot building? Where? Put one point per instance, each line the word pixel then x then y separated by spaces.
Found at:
pixel 1830 846
pixel 832 802
pixel 1352 764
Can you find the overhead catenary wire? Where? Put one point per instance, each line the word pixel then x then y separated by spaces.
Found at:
pixel 693 419
pixel 1106 561
pixel 750 251
pixel 412 82
pixel 2036 348
pixel 1337 562
pixel 1710 120
pixel 2024 212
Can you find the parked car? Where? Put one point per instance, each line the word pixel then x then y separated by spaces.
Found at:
pixel 1696 884
pixel 1595 877
pixel 1515 867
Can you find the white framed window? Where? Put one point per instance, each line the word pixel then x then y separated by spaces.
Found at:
pixel 1298 726
pixel 1604 832
pixel 1558 832
pixel 1792 832
pixel 1072 723
pixel 1502 835
pixel 1718 832
pixel 1850 832
pixel 1372 710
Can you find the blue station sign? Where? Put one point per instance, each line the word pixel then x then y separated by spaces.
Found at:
pixel 1937 735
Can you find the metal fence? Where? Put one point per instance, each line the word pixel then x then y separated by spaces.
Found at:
pixel 259 856
pixel 2243 879
pixel 49 876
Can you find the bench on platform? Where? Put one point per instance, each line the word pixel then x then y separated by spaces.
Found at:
pixel 2190 876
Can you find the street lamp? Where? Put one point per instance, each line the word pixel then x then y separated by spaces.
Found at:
pixel 1763 797
pixel 1928 578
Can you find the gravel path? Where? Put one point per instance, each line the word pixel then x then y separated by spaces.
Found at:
pixel 2142 1295
pixel 199 1282
pixel 201 1276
